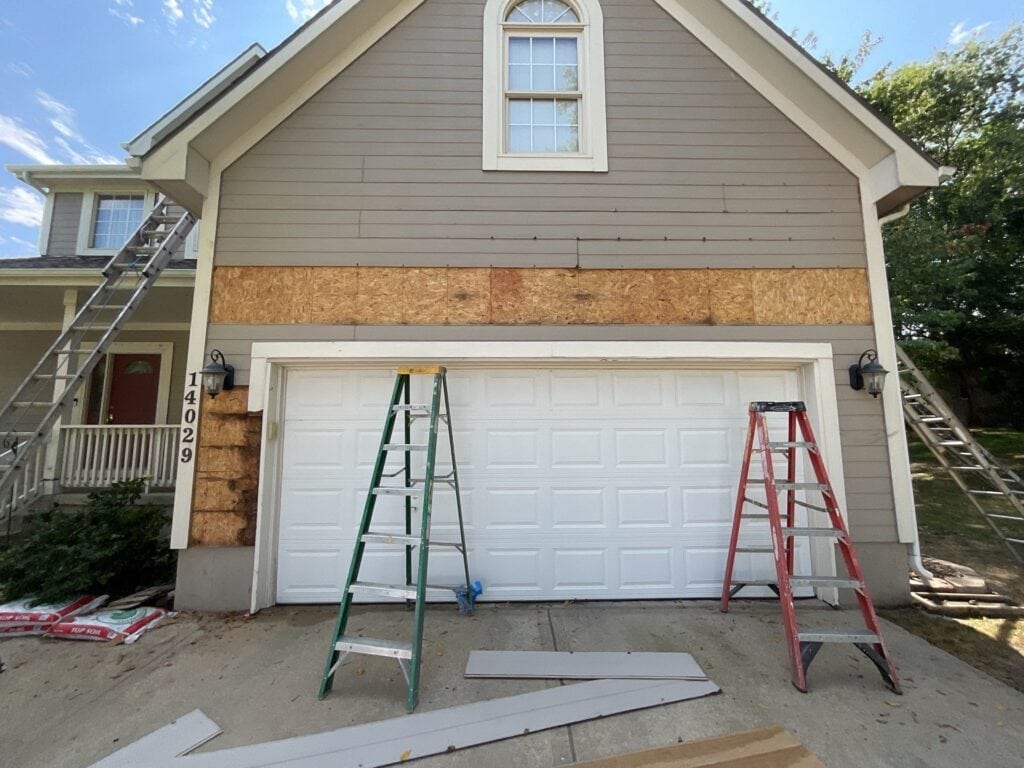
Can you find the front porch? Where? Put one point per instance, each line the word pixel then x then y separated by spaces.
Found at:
pixel 86 457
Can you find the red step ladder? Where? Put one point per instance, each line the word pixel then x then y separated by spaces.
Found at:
pixel 803 644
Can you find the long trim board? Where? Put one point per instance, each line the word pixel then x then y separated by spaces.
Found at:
pixel 179 738
pixel 603 665
pixel 772 747
pixel 431 733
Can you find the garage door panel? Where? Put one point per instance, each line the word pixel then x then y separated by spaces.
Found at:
pixel 598 483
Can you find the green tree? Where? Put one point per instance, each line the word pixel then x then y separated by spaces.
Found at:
pixel 956 262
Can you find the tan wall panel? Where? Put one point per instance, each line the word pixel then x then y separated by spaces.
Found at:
pixel 500 296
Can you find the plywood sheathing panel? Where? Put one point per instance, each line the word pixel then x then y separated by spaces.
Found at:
pixel 517 296
pixel 227 472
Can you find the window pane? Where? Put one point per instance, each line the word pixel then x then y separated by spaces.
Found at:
pixel 543 50
pixel 543 78
pixel 519 139
pixel 519 50
pixel 117 217
pixel 543 12
pixel 567 112
pixel 519 112
pixel 568 139
pixel 543 139
pixel 543 112
pixel 519 77
pixel 565 50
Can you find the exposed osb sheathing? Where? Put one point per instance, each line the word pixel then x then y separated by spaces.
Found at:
pixel 498 296
pixel 227 472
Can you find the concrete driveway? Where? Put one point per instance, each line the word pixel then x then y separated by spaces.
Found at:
pixel 65 704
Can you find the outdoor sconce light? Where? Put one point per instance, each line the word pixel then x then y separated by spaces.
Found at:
pixel 218 375
pixel 870 375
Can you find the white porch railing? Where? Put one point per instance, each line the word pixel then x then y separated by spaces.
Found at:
pixel 96 456
pixel 24 486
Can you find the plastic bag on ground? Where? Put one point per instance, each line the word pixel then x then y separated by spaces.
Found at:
pixel 125 626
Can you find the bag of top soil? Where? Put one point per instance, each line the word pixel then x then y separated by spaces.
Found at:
pixel 125 626
pixel 23 617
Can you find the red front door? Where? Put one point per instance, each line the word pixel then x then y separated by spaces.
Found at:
pixel 134 389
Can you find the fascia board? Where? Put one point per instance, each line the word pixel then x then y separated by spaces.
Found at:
pixel 180 113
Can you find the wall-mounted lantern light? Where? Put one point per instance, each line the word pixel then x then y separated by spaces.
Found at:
pixel 870 375
pixel 218 375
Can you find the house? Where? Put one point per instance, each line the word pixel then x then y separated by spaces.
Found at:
pixel 615 221
pixel 130 407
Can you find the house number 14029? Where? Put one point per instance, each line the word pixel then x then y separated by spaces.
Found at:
pixel 189 416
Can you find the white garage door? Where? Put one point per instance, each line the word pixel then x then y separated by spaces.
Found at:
pixel 577 483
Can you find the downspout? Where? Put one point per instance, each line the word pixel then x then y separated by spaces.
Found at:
pixel 914 553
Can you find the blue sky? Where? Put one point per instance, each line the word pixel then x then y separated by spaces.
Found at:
pixel 78 77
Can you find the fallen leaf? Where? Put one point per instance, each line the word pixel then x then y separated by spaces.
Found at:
pixel 893 704
pixel 405 756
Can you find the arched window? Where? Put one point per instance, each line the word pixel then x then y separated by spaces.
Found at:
pixel 544 86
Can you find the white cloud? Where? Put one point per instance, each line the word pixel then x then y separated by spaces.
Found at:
pixel 23 140
pixel 202 13
pixel 20 205
pixel 962 33
pixel 123 13
pixel 76 147
pixel 173 12
pixel 304 10
pixel 21 69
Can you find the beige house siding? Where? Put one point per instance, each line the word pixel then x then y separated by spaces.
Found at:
pixel 67 213
pixel 383 166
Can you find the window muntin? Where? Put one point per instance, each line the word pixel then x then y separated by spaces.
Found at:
pixel 116 219
pixel 542 12
pixel 547 64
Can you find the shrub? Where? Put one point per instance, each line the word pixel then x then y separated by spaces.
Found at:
pixel 114 546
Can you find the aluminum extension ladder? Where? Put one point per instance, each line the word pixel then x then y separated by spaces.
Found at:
pixel 996 491
pixel 803 644
pixel 46 394
pixel 413 487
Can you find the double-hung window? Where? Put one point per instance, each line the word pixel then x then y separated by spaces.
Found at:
pixel 544 86
pixel 117 218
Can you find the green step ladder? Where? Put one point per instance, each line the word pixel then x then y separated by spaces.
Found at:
pixel 411 488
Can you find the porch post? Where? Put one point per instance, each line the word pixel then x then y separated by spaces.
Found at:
pixel 51 471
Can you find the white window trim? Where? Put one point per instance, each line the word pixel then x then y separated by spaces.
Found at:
pixel 593 114
pixel 87 219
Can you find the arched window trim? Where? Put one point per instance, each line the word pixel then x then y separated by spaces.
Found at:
pixel 593 154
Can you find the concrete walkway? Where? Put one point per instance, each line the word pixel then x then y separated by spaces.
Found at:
pixel 66 704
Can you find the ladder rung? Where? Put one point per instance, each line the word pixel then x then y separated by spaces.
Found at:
pixel 784 485
pixel 757 550
pixel 400 408
pixel 390 538
pixel 950 443
pixel 913 396
pixel 382 590
pixel 808 505
pixel 405 447
pixel 32 404
pixel 817 532
pixel 824 581
pixel 56 376
pixel 397 491
pixel 797 444
pixel 755 515
pixel 395 538
pixel 371 647
pixel 1012 518
pixel 929 419
pixel 760 504
pixel 837 636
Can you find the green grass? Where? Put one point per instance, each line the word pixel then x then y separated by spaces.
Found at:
pixel 952 529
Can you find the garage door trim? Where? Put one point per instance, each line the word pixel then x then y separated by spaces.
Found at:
pixel 270 361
